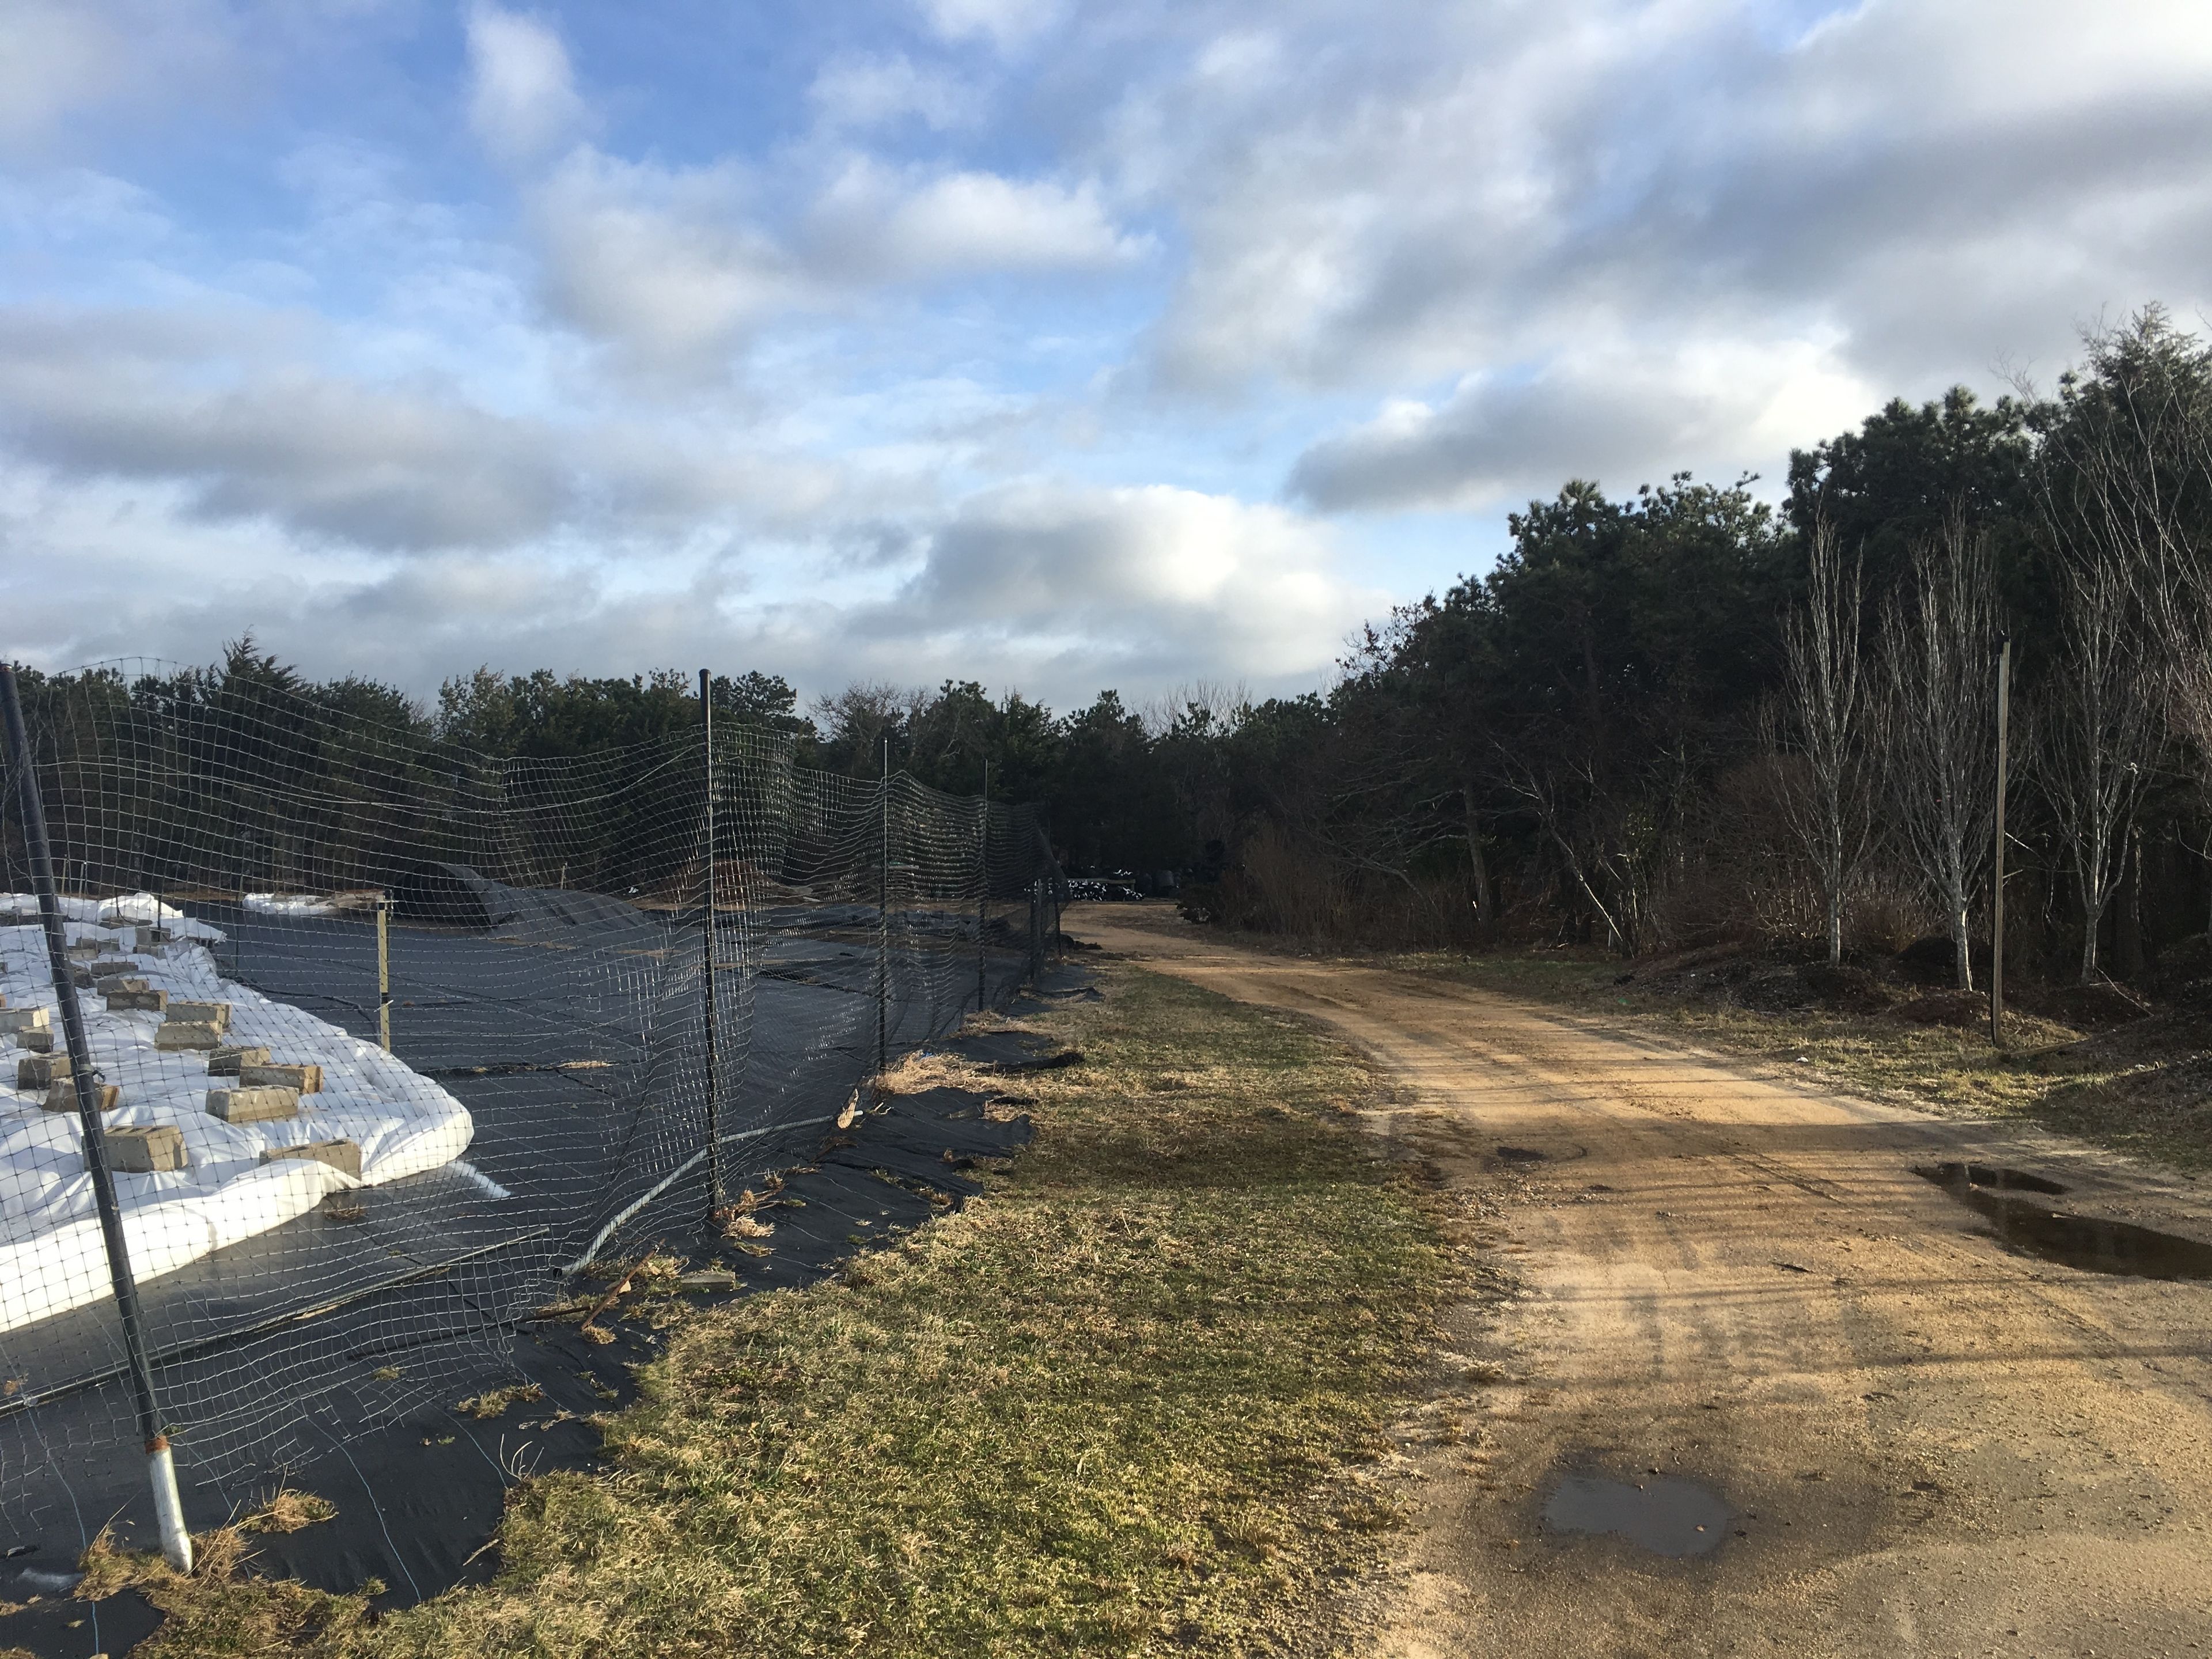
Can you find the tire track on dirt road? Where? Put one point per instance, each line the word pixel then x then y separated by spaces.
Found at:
pixel 1926 1444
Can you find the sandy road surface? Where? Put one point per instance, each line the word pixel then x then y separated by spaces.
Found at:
pixel 1927 1445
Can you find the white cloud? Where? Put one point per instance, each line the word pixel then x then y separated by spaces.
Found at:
pixel 1606 411
pixel 1084 585
pixel 663 262
pixel 871 92
pixel 873 224
pixel 522 95
pixel 1005 23
pixel 678 268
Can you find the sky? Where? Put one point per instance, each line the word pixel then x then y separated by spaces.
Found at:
pixel 1052 345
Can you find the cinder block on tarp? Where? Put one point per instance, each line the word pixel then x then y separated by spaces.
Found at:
pixel 226 1062
pixel 40 1042
pixel 217 1014
pixel 89 950
pixel 146 1150
pixel 61 1097
pixel 253 1105
pixel 307 1079
pixel 137 1002
pixel 124 984
pixel 19 1020
pixel 175 1034
pixel 341 1155
pixel 41 1070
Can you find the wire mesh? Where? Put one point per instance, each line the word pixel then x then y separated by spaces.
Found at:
pixel 327 1234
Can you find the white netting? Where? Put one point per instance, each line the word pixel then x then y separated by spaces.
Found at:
pixel 247 868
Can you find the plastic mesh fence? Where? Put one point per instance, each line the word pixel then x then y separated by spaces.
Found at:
pixel 327 1233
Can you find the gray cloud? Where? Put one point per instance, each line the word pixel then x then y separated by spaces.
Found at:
pixel 403 467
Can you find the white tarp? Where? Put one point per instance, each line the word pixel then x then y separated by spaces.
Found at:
pixel 50 1254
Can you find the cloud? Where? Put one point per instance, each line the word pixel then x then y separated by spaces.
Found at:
pixel 68 59
pixel 873 223
pixel 663 262
pixel 1614 416
pixel 872 92
pixel 1484 186
pixel 678 268
pixel 522 94
pixel 1083 584
pixel 1005 23
pixel 394 467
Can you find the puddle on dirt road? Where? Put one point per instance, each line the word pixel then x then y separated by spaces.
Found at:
pixel 1986 1176
pixel 1664 1513
pixel 1522 1155
pixel 2071 1241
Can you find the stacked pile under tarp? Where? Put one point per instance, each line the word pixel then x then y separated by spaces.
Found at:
pixel 238 1177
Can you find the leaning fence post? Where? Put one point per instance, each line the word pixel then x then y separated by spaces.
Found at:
pixel 706 960
pixel 883 921
pixel 176 1542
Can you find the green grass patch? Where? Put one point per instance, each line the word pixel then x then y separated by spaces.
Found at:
pixel 1120 1405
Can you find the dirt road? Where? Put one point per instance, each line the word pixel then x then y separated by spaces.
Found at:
pixel 1907 1439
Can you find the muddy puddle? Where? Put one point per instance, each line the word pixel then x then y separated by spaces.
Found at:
pixel 1523 1156
pixel 2013 1203
pixel 1662 1513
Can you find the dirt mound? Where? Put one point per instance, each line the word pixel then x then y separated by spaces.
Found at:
pixel 2185 963
pixel 1770 979
pixel 2174 1034
pixel 1960 1008
pixel 1934 961
pixel 2085 1008
pixel 1845 987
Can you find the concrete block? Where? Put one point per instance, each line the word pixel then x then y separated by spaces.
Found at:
pixel 226 1062
pixel 62 1097
pixel 342 1155
pixel 153 936
pixel 40 1042
pixel 145 1152
pixel 175 1034
pixel 89 950
pixel 41 1070
pixel 307 1079
pixel 123 985
pixel 253 1105
pixel 217 1014
pixel 19 1020
pixel 137 1002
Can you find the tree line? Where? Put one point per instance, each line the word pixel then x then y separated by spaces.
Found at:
pixel 1672 718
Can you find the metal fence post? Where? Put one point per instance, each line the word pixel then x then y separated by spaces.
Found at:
pixel 383 971
pixel 707 958
pixel 983 893
pixel 883 921
pixel 162 1469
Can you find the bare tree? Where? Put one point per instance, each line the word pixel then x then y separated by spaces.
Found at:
pixel 2097 724
pixel 1937 710
pixel 1827 798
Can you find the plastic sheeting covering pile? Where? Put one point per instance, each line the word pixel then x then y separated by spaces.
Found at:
pixel 234 1178
pixel 322 1249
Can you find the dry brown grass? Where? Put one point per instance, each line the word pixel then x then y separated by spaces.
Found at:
pixel 1129 1402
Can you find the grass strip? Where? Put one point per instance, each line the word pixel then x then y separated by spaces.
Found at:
pixel 2153 1104
pixel 1120 1405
